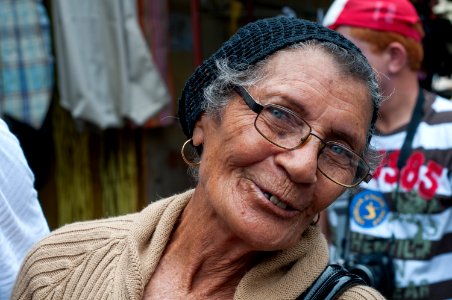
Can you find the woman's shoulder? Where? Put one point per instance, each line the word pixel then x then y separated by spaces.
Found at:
pixel 83 253
pixel 80 239
pixel 85 235
pixel 112 227
pixel 85 260
pixel 89 235
pixel 361 292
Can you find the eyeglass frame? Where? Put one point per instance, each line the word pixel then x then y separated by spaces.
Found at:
pixel 258 108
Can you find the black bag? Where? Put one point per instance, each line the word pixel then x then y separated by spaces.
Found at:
pixel 333 281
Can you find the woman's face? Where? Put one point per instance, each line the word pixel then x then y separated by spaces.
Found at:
pixel 240 169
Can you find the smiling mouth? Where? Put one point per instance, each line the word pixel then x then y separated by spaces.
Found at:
pixel 275 200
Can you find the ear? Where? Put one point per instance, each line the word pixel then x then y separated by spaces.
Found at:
pixel 199 131
pixel 398 57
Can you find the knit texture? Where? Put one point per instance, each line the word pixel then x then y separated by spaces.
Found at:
pixel 115 258
pixel 251 44
pixel 105 259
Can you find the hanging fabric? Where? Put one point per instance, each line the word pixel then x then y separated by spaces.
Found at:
pixel 154 23
pixel 105 69
pixel 26 63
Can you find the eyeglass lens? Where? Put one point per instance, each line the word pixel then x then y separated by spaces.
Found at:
pixel 285 129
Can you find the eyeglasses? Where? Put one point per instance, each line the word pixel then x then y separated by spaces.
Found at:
pixel 285 129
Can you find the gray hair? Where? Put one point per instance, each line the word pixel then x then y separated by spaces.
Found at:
pixel 218 94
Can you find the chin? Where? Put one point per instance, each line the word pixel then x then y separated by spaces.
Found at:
pixel 263 241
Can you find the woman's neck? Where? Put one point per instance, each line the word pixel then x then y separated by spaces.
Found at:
pixel 203 258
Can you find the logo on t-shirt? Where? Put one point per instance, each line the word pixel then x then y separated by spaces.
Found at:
pixel 368 209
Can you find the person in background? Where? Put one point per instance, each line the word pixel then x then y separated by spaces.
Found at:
pixel 402 218
pixel 280 117
pixel 22 222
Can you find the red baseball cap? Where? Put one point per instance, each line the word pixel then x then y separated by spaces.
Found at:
pixel 386 15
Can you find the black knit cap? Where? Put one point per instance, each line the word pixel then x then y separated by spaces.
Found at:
pixel 249 45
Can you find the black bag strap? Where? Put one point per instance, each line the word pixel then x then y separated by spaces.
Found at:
pixel 411 130
pixel 406 149
pixel 333 281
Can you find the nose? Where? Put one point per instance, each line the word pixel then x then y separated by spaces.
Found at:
pixel 301 163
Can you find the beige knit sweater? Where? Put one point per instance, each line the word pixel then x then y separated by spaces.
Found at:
pixel 115 258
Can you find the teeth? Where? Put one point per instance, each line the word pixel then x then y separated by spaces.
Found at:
pixel 273 199
pixel 277 202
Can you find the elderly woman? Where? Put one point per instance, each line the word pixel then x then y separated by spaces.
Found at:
pixel 280 116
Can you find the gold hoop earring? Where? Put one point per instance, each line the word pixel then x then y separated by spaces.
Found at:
pixel 313 223
pixel 182 152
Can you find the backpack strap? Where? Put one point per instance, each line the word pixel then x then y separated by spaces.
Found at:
pixel 333 281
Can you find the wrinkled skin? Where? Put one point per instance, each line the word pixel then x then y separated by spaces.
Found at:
pixel 229 221
pixel 238 164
